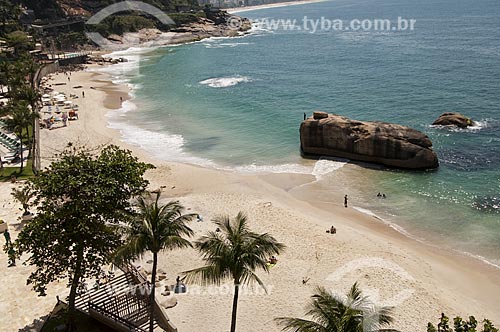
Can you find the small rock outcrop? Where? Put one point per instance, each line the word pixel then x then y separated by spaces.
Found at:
pixel 454 119
pixel 383 143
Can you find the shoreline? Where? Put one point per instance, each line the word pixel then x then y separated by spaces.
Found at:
pixel 279 203
pixel 378 215
pixel 438 274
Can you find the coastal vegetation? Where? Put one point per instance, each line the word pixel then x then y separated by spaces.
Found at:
pixel 23 195
pixel 234 252
pixel 155 227
pixel 78 199
pixel 86 200
pixel 331 313
pixel 17 82
pixel 461 325
pixel 13 16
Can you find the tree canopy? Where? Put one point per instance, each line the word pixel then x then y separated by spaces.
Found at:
pixel 78 199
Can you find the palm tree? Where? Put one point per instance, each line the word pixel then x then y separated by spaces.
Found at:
pixel 330 313
pixel 156 228
pixel 234 253
pixel 20 118
pixel 23 196
pixel 32 97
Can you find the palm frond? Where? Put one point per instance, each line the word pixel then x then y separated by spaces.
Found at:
pixel 299 325
pixel 207 275
pixel 236 251
pixel 332 313
pixel 154 228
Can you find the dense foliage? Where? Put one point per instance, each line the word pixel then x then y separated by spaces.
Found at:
pixel 78 199
pixel 17 73
pixel 57 9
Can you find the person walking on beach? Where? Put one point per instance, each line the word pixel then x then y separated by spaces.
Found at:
pixel 83 94
pixel 345 201
pixel 6 234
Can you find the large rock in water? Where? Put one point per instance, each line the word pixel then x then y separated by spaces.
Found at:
pixel 453 119
pixel 376 142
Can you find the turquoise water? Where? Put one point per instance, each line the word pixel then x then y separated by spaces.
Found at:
pixel 238 103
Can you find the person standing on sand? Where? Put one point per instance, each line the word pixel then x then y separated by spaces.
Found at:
pixel 6 234
pixel 83 94
pixel 345 201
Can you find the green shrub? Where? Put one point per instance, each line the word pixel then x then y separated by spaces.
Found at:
pixel 460 325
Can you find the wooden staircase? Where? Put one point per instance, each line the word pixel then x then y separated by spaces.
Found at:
pixel 123 303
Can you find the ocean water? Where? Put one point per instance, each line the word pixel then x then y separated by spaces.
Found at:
pixel 237 104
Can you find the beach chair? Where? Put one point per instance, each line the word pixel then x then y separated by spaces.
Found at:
pixel 9 158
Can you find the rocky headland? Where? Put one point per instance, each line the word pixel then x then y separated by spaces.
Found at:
pixel 383 143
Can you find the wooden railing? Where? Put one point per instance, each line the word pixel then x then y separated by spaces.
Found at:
pixel 108 317
pixel 124 303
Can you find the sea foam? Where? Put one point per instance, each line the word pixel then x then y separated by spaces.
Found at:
pixel 225 82
pixel 159 145
pixel 325 166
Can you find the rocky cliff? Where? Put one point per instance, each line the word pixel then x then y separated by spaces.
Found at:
pixel 376 142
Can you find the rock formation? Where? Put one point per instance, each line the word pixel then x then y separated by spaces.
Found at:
pixel 453 119
pixel 376 142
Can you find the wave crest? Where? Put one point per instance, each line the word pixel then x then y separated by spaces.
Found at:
pixel 225 82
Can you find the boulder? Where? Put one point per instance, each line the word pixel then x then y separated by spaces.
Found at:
pixel 375 142
pixel 320 115
pixel 115 38
pixel 453 119
pixel 169 302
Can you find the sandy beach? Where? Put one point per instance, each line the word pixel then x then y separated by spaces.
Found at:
pixel 420 280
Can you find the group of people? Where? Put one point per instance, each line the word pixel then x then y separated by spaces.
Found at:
pixel 379 195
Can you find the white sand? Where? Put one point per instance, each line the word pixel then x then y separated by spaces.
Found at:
pixel 386 263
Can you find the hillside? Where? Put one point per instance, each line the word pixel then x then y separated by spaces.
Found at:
pixel 56 9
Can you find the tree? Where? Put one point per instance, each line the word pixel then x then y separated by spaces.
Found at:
pixel 31 96
pixel 20 42
pixel 330 313
pixel 234 253
pixel 8 11
pixel 460 325
pixel 155 228
pixel 20 119
pixel 23 196
pixel 78 200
